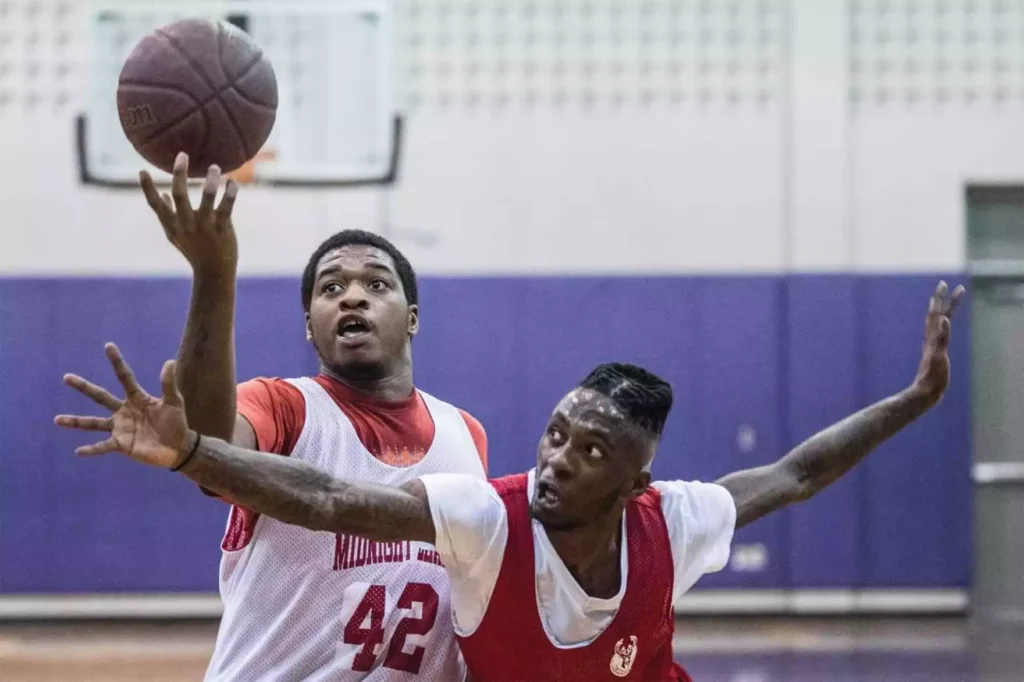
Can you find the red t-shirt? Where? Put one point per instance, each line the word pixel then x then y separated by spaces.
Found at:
pixel 398 434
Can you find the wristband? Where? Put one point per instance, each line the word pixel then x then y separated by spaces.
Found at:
pixel 190 455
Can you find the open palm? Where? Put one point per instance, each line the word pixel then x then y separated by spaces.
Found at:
pixel 149 430
pixel 204 235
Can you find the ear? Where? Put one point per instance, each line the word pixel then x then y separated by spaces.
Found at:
pixel 414 320
pixel 309 328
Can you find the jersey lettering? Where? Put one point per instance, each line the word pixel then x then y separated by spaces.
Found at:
pixel 354 552
pixel 415 594
pixel 366 627
pixel 429 556
pixel 365 631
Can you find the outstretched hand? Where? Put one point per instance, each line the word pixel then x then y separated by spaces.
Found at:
pixel 933 373
pixel 206 235
pixel 147 429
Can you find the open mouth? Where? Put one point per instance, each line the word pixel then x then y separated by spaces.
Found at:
pixel 353 328
pixel 547 493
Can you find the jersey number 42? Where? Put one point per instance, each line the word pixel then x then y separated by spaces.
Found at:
pixel 365 625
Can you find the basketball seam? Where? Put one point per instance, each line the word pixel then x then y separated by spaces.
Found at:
pixel 199 103
pixel 227 79
pixel 216 92
pixel 233 82
pixel 174 125
pixel 206 136
pixel 250 100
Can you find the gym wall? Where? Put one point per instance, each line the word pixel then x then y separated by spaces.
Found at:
pixel 754 199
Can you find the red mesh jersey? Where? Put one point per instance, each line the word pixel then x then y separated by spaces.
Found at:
pixel 511 645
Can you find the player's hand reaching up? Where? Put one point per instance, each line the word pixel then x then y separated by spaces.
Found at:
pixel 205 235
pixel 933 372
pixel 149 430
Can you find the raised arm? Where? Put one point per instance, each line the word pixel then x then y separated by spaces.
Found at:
pixel 156 432
pixel 206 356
pixel 821 459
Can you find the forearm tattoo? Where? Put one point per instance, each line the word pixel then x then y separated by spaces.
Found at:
pixel 295 492
pixel 821 459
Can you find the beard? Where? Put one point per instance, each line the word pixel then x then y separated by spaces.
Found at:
pixel 358 372
pixel 352 370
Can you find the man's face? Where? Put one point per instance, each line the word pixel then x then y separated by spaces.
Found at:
pixel 358 319
pixel 589 462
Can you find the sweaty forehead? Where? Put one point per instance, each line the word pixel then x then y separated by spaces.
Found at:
pixel 356 257
pixel 597 412
pixel 584 404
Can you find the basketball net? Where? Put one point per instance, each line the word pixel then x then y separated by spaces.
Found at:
pixel 246 173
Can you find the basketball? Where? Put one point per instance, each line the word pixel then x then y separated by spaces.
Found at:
pixel 201 87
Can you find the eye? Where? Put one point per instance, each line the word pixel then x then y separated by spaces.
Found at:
pixel 595 452
pixel 331 287
pixel 379 285
pixel 555 435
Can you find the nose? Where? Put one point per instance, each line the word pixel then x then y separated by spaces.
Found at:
pixel 354 298
pixel 559 463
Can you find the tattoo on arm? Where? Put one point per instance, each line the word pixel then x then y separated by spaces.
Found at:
pixel 821 459
pixel 294 492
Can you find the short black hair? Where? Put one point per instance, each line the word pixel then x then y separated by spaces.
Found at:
pixel 363 238
pixel 645 397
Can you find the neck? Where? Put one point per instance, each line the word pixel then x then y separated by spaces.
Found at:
pixel 396 387
pixel 592 553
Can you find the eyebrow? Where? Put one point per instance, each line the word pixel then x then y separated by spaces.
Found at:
pixel 335 269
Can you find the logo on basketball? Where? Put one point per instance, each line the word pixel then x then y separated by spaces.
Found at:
pixel 136 117
pixel 625 654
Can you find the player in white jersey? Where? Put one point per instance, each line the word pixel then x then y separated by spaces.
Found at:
pixel 301 604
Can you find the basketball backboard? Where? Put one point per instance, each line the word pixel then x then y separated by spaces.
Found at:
pixel 336 122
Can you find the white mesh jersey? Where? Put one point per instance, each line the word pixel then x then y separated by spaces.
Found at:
pixel 304 605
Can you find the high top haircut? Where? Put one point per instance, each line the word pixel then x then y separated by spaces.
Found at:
pixel 644 397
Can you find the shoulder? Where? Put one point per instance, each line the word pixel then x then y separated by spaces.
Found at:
pixel 476 431
pixel 276 410
pixel 694 498
pixel 473 425
pixel 270 390
pixel 700 518
pixel 513 484
pixel 459 491
pixel 465 510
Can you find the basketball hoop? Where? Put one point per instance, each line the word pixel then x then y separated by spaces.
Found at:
pixel 337 125
pixel 246 174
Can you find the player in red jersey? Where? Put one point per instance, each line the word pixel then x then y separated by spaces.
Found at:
pixel 567 572
pixel 294 599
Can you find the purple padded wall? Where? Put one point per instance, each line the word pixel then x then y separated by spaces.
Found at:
pixel 822 352
pixel 916 510
pixel 786 355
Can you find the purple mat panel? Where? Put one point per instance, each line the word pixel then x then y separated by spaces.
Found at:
pixel 778 357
